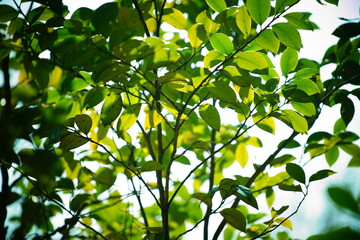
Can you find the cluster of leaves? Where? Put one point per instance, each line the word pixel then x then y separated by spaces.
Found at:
pixel 126 94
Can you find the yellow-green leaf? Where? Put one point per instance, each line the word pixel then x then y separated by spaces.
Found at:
pixel 222 42
pixel 297 121
pixel 213 58
pixel 267 124
pixel 203 197
pixel 306 85
pixel 288 61
pixel 151 166
pixel 243 21
pixel 288 35
pixel 197 35
pixel 241 154
pixel 175 18
pixel 250 60
pixel 235 218
pixel 281 4
pixel 152 119
pixel 259 10
pixel 268 40
pixel 128 117
pixel 306 108
pixel 210 115
pixel 217 5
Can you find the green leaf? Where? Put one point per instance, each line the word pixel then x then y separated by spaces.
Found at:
pixel 343 198
pixel 299 20
pixel 291 188
pixel 210 115
pixel 175 18
pixel 84 123
pixel 306 73
pixel 221 42
pixel 93 97
pixel 152 119
pixel 321 175
pixel 222 91
pixel 151 166
pixel 197 35
pixel 128 117
pixel 212 58
pixel 268 41
pixel 238 76
pixel 235 218
pixel 291 144
pixel 296 172
pixel 250 61
pixel 280 161
pixel 7 13
pixel 203 197
pixel 79 201
pixel 259 10
pixel 332 155
pixel 297 121
pixel 243 21
pixel 334 2
pixel 104 17
pixel 306 85
pixel 288 61
pixel 267 123
pixel 305 108
pixel 241 154
pixel 281 4
pixel 347 110
pixel 217 5
pixel 111 108
pixel 288 35
pixel 71 141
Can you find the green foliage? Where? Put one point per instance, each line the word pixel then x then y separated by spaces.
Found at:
pixel 118 124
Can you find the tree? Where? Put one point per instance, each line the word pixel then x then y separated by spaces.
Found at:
pixel 112 98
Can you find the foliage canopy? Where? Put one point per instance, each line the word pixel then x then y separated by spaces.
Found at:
pixel 117 127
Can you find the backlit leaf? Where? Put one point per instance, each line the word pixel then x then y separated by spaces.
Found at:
pixel 210 115
pixel 128 117
pixel 222 91
pixel 288 35
pixel 243 21
pixel 306 85
pixel 288 61
pixel 241 154
pixel 299 20
pixel 94 96
pixel 296 172
pixel 152 119
pixel 213 58
pixel 151 166
pixel 268 41
pixel 250 60
pixel 259 10
pixel 175 18
pixel 221 42
pixel 217 5
pixel 332 155
pixel 306 73
pixel 286 223
pixel 297 121
pixel 197 35
pixel 235 218
pixel 111 108
pixel 267 123
pixel 281 4
pixel 305 108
